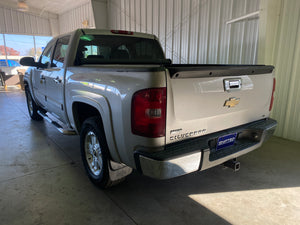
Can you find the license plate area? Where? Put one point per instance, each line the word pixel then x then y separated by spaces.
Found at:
pixel 226 141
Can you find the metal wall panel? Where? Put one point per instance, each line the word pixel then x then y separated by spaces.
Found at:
pixel 162 26
pixel 156 19
pixel 132 15
pixel 203 40
pixel 138 16
pixel 15 22
pixel 128 16
pixel 287 70
pixel 123 15
pixel 170 24
pixel 71 20
pixel 193 34
pixel 177 31
pixel 193 31
pixel 143 16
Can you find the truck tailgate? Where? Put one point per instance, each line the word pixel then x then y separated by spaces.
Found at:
pixel 211 98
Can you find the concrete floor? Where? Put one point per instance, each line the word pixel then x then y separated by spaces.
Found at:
pixel 42 182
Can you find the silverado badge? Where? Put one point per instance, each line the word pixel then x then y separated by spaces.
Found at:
pixel 232 102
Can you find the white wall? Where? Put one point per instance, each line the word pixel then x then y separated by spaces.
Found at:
pixel 72 19
pixel 280 46
pixel 192 31
pixel 13 21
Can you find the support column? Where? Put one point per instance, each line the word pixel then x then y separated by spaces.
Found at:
pixel 100 13
pixel 4 42
pixel 268 30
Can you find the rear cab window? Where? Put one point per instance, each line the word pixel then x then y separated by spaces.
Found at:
pixel 107 49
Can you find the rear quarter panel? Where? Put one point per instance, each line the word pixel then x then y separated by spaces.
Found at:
pixel 110 90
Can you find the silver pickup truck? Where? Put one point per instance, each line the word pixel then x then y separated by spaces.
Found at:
pixel 134 109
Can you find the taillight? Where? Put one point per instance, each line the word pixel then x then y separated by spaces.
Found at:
pixel 148 112
pixel 272 97
pixel 121 32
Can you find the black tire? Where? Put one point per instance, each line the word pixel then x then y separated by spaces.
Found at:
pixel 32 106
pixel 92 130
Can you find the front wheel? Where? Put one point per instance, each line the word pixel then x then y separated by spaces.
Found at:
pixel 32 106
pixel 94 152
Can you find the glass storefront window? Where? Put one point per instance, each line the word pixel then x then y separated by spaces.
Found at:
pixel 2 51
pixel 19 45
pixel 13 47
pixel 41 43
pixel 3 61
pixel 23 45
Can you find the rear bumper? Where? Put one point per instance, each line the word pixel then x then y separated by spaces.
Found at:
pixel 200 153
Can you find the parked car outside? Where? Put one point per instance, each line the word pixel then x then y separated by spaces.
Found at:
pixel 10 67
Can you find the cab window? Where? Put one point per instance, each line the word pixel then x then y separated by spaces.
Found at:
pixel 60 52
pixel 45 58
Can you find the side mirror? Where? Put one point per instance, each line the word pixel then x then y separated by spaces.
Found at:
pixel 28 61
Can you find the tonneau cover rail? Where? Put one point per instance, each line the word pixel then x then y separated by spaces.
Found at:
pixel 211 70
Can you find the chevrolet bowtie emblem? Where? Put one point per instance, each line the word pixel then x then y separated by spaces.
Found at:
pixel 231 102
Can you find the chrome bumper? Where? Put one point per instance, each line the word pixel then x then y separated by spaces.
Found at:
pixel 199 154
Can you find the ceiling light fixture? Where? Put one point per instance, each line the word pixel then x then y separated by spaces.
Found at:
pixel 22 6
pixel 85 23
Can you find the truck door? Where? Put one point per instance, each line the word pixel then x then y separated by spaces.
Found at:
pixel 55 82
pixel 39 76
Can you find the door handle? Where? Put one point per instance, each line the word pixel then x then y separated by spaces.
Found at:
pixel 232 84
pixel 42 79
pixel 57 80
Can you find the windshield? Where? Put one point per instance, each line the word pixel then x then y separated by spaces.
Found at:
pixel 104 49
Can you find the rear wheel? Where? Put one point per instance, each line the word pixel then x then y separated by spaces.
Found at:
pixel 32 106
pixel 94 152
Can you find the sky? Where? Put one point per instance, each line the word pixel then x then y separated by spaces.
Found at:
pixel 23 43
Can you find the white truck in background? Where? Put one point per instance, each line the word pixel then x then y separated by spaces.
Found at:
pixel 134 109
